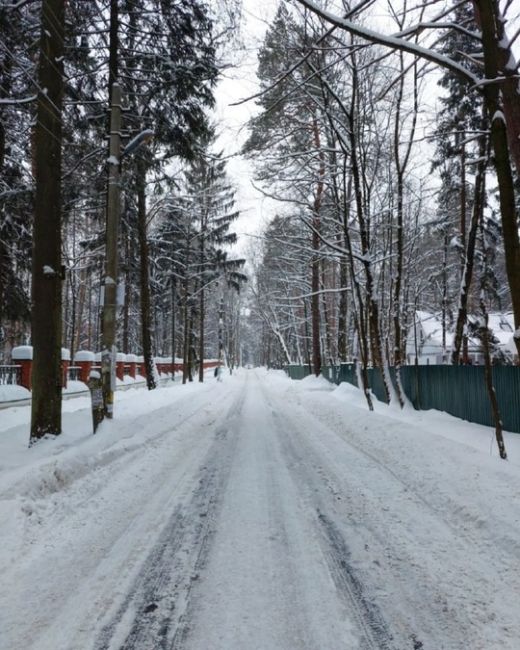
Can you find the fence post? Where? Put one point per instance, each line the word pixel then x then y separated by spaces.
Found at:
pixel 23 355
pixel 120 365
pixel 84 359
pixel 65 363
pixel 131 361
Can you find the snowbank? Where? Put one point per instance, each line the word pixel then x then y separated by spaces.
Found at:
pixel 433 423
pixel 10 393
pixel 75 386
pixel 311 382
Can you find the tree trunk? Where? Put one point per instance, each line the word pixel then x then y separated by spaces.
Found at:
pixel 46 264
pixel 144 277
pixel 327 347
pixel 113 55
pixel 342 308
pixel 372 306
pixel 81 308
pixel 463 228
pixel 359 319
pixel 186 337
pixel 90 312
pixel 73 317
pixel 470 255
pixel 174 303
pixel 191 344
pixel 202 307
pixel 315 307
pixel 486 18
pixel 488 373
pixel 306 333
pixel 397 307
pixel 502 62
pixel 444 292
pixel 128 297
pixel 315 263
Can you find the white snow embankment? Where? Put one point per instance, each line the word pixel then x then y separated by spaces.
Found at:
pixel 429 511
pixel 11 393
pixel 75 386
pixel 71 505
pixel 29 475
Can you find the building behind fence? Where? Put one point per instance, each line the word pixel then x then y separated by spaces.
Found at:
pixel 458 390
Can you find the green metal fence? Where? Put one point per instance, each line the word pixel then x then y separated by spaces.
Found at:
pixel 298 372
pixel 458 390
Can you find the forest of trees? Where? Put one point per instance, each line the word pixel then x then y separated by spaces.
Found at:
pixel 163 182
pixel 395 162
pixel 391 146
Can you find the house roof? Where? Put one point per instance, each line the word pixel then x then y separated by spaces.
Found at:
pixel 500 323
pixel 503 327
pixel 432 329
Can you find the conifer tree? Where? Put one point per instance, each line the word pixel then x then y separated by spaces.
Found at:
pixel 168 70
pixel 16 185
pixel 460 130
pixel 46 261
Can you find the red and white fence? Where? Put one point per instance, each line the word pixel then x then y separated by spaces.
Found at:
pixel 129 366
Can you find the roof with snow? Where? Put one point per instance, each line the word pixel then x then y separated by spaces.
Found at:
pixel 501 324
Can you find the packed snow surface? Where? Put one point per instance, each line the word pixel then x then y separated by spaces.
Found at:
pixel 258 513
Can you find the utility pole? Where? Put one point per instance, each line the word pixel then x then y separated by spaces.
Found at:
pixel 108 355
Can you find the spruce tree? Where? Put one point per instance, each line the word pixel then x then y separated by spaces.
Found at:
pixel 46 261
pixel 460 132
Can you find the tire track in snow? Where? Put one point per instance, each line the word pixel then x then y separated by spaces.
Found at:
pixel 373 629
pixel 432 578
pixel 156 614
pixel 369 618
pixel 449 516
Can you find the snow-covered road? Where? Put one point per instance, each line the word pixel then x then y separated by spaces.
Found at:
pixel 257 513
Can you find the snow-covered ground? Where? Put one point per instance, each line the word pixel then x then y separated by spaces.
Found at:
pixel 258 513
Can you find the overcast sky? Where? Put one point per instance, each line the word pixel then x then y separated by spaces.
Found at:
pixel 241 82
pixel 237 84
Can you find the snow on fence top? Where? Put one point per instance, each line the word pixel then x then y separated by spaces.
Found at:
pixel 84 355
pixel 26 352
pixel 22 352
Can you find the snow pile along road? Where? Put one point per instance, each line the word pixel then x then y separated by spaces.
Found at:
pixel 258 513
